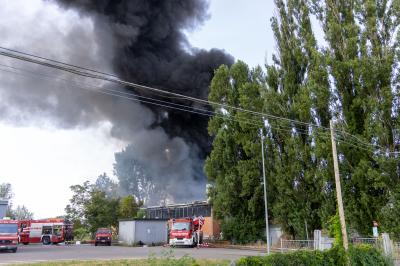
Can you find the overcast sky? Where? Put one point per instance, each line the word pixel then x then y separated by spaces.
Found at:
pixel 42 161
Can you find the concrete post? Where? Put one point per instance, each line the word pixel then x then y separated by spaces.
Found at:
pixel 338 189
pixel 387 245
pixel 317 240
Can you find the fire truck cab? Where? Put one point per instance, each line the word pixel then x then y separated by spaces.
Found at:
pixel 47 231
pixel 9 235
pixel 186 231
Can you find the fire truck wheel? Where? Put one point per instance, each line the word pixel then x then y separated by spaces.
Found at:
pixel 95 244
pixel 46 240
pixel 25 243
pixel 14 250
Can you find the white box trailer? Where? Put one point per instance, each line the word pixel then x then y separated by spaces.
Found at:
pixel 146 231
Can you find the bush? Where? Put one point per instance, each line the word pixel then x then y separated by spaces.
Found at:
pixel 360 255
pixel 366 255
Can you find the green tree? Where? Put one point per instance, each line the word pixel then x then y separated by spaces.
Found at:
pixel 75 211
pixel 234 165
pixel 141 213
pixel 100 211
pixel 91 208
pixel 106 184
pixel 362 59
pixel 298 155
pixel 128 207
pixel 21 213
pixel 7 194
pixel 6 191
pixel 134 179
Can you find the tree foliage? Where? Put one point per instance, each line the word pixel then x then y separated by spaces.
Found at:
pixel 298 156
pixel 101 211
pixel 93 205
pixel 351 77
pixel 18 213
pixel 128 207
pixel 362 60
pixel 21 213
pixel 6 191
pixel 234 163
pixel 134 179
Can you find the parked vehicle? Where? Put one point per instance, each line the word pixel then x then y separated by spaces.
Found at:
pixel 46 231
pixel 103 236
pixel 9 235
pixel 186 231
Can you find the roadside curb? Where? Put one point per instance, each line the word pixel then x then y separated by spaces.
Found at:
pixel 261 249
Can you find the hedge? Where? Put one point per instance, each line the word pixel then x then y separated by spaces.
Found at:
pixel 360 255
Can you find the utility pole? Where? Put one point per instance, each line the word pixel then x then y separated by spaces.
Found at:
pixel 265 191
pixel 338 188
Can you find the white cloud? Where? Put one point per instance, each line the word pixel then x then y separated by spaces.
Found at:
pixel 41 163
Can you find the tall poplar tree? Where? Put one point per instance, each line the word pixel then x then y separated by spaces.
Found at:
pixel 299 153
pixel 362 58
pixel 352 77
pixel 234 165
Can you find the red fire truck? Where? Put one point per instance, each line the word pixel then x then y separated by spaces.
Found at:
pixel 46 231
pixel 9 235
pixel 186 231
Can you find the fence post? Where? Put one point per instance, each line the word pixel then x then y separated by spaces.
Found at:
pixel 281 245
pixel 387 247
pixel 317 240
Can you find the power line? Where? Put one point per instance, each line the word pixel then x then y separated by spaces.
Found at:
pixel 77 70
pixel 112 78
pixel 256 124
pixel 58 62
pixel 130 95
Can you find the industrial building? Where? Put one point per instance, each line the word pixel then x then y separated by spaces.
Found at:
pixel 3 208
pixel 143 231
pixel 211 227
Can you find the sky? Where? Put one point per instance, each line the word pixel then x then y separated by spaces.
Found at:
pixel 41 160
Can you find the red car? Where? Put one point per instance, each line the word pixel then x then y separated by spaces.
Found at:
pixel 9 235
pixel 103 236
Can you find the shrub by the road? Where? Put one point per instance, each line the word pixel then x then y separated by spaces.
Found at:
pixel 360 255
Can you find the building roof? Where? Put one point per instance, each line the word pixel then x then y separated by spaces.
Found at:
pixel 194 203
pixel 141 219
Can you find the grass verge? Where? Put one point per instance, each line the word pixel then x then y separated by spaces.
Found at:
pixel 184 261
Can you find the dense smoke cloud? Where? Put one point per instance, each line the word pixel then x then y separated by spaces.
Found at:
pixel 141 41
pixel 153 50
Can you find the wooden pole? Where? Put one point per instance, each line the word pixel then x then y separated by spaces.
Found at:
pixel 338 189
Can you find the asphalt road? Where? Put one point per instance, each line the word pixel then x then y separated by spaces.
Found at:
pixel 40 253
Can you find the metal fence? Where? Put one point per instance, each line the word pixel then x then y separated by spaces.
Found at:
pixel 384 244
pixel 373 241
pixel 293 245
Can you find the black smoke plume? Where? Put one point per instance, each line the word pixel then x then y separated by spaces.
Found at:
pixel 153 50
pixel 141 41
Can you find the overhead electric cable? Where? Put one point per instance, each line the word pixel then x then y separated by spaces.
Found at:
pixel 256 123
pixel 86 86
pixel 94 74
pixel 76 70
